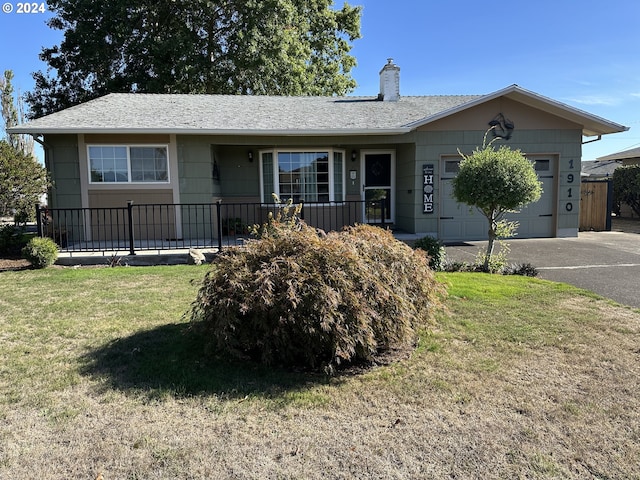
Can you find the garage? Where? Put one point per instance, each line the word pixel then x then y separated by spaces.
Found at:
pixel 460 222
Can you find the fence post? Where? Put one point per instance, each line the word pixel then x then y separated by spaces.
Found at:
pixel 301 209
pixel 39 219
pixel 607 226
pixel 130 217
pixel 219 215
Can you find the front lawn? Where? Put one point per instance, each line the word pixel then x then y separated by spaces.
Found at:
pixel 520 378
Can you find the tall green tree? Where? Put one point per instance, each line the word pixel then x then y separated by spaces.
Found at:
pixel 626 186
pixel 276 47
pixel 12 111
pixel 22 179
pixel 22 182
pixel 496 181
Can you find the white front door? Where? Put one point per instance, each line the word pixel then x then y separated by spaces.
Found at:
pixel 378 193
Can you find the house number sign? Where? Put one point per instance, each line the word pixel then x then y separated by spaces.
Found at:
pixel 427 188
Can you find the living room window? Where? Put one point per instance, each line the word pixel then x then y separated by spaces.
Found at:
pixel 310 175
pixel 128 164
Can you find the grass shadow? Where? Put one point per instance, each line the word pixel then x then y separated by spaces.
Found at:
pixel 170 360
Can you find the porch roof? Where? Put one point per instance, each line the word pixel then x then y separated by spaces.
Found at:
pixel 135 113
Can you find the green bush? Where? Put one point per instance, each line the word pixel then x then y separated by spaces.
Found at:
pixel 13 239
pixel 299 299
pixel 626 186
pixel 524 269
pixel 435 251
pixel 41 252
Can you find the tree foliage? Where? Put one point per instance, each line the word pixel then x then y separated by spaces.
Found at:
pixel 22 182
pixel 277 47
pixel 13 114
pixel 626 186
pixel 496 181
pixel 22 179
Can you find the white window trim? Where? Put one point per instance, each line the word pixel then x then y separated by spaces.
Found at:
pixel 128 147
pixel 276 177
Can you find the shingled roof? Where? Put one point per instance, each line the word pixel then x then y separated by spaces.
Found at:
pixel 631 154
pixel 278 115
pixel 237 114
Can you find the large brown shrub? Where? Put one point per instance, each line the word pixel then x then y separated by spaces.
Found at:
pixel 295 298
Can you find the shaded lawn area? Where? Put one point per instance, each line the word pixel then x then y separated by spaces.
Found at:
pixel 518 378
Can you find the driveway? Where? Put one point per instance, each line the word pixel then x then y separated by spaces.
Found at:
pixel 607 263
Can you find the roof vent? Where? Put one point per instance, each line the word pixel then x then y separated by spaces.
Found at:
pixel 390 82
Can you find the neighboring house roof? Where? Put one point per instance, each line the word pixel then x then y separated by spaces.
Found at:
pixel 631 154
pixel 277 115
pixel 599 169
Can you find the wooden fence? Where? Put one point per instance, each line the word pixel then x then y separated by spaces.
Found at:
pixel 596 202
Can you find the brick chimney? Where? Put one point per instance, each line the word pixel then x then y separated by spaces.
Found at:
pixel 389 82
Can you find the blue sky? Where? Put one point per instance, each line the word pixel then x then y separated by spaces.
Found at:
pixel 585 54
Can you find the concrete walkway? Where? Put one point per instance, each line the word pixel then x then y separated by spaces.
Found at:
pixel 607 263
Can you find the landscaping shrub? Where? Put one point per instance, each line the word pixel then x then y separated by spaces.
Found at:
pixel 41 252
pixel 524 269
pixel 13 239
pixel 452 266
pixel 435 250
pixel 298 299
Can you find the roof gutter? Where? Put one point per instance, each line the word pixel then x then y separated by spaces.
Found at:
pixel 36 138
pixel 594 140
pixel 35 131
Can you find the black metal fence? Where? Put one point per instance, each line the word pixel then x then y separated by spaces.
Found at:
pixel 144 227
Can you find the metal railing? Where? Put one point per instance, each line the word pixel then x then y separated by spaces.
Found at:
pixel 161 227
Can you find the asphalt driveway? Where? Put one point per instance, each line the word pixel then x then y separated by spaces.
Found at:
pixel 607 263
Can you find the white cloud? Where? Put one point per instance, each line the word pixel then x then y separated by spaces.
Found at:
pixel 605 100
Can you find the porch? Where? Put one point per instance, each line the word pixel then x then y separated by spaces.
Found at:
pixel 164 229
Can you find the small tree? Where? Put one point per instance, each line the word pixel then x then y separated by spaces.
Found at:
pixel 496 181
pixel 626 186
pixel 22 182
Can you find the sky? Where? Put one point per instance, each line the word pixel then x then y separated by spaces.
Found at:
pixel 585 54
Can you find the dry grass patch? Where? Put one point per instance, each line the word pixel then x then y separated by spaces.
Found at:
pixel 521 379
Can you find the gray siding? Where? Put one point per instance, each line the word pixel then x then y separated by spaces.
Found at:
pixel 62 158
pixel 195 170
pixel 432 146
pixel 405 179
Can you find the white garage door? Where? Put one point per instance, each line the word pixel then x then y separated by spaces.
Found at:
pixel 459 222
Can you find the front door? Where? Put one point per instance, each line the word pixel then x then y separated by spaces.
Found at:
pixel 378 192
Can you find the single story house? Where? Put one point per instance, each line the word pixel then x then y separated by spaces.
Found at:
pixel 325 151
pixel 599 169
pixel 626 157
pixel 623 158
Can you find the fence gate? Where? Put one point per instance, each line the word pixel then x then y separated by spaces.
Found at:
pixel 596 202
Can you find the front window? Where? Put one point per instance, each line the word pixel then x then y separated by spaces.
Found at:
pixel 128 164
pixel 311 176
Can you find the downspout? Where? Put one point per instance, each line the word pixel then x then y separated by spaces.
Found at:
pixel 594 140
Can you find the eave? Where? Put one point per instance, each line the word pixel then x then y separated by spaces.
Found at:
pixel 217 132
pixel 592 125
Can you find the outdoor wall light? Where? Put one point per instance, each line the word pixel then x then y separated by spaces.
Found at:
pixel 354 155
pixel 250 156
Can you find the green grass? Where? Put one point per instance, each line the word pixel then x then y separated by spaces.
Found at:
pixel 526 309
pixel 126 327
pixel 517 378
